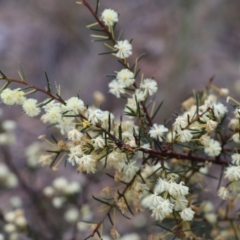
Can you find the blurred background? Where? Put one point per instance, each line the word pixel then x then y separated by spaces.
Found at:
pixel 185 41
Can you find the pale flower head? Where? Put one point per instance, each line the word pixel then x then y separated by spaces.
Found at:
pixel 234 124
pixel 94 115
pixel 73 188
pixel 109 17
pixel 233 173
pixel 185 136
pixel 161 186
pixel 140 95
pixel 71 215
pixel 98 142
pixel 116 88
pixel 212 148
pixel 8 96
pixel 75 135
pixel 125 77
pixel 86 164
pixel 236 138
pixel 180 122
pixel 30 107
pixel 180 203
pixel 60 183
pixel 58 202
pixel 162 210
pixel 53 114
pixel 219 110
pixel 74 104
pixel 236 159
pixel 48 191
pixel 157 131
pixel 124 49
pixel 204 139
pixel 129 170
pixel 211 125
pixel 74 154
pixel 149 86
pixel 9 125
pixel 152 200
pixel 223 193
pixel 187 214
pixel 19 96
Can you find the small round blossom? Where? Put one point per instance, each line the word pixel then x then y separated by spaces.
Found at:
pixel 211 126
pixel 185 136
pixel 53 114
pixel 140 95
pixel 106 118
pixel 9 228
pixel 98 142
pixel 204 139
pixel 131 104
pixel 223 193
pixel 152 200
pixel 236 138
pixel 161 186
pixel 75 135
pixel 212 148
pixel 174 189
pixel 125 77
pixel 149 86
pixel 124 49
pixel 157 131
pixel 21 221
pixel 162 210
pixel 234 187
pixel 182 189
pixel 171 136
pixel 129 170
pixel 11 181
pixel 58 202
pixel 10 216
pixel 236 159
pixel 233 173
pixel 180 122
pixel 211 217
pixel 234 124
pixel 74 104
pixel 9 125
pixel 48 191
pixel 179 203
pixel 71 215
pixel 109 17
pixel 73 188
pixel 116 88
pixel 86 164
pixel 19 96
pixel 30 107
pixel 66 124
pixel 219 110
pixel 8 96
pixel 187 214
pixel 94 115
pixel 74 155
pixel 60 183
